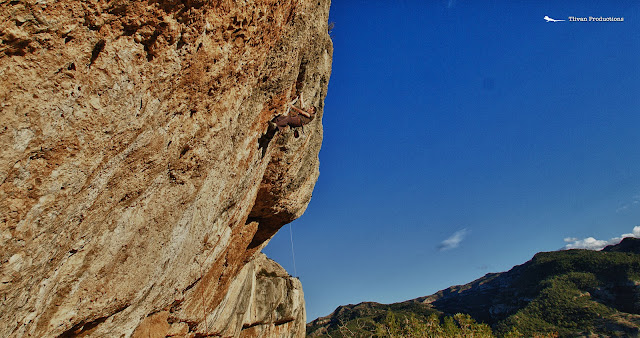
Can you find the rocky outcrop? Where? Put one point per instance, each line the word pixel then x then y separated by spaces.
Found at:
pixel 139 178
pixel 262 301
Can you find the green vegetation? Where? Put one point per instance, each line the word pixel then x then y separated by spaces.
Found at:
pixel 460 325
pixel 575 292
pixel 561 306
pixel 411 326
pixel 373 319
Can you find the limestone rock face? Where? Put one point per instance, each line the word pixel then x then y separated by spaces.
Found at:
pixel 139 178
pixel 265 301
pixel 262 301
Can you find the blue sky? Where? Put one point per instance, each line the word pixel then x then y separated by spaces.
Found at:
pixel 462 137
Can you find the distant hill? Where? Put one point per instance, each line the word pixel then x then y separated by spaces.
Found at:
pixel 568 293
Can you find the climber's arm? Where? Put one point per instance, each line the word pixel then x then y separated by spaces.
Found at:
pixel 300 111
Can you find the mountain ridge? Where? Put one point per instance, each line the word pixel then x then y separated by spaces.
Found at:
pixel 604 282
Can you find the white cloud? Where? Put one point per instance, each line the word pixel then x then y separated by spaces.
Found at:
pixel 591 243
pixel 454 240
pixel 635 202
pixel 588 243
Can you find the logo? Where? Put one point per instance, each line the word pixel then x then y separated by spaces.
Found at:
pixel 546 17
pixel 587 19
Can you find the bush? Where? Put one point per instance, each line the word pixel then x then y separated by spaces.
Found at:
pixel 460 325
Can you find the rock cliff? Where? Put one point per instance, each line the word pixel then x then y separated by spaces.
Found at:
pixel 139 178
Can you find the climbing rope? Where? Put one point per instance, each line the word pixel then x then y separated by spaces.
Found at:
pixel 293 253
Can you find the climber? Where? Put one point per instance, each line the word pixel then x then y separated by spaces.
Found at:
pixel 298 118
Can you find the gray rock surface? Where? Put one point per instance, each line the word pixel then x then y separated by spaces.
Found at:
pixel 262 301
